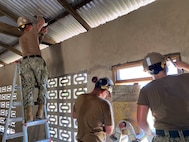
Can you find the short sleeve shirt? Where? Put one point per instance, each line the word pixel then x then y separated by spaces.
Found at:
pixel 93 113
pixel 168 99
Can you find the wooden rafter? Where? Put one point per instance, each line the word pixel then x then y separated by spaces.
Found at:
pixel 62 15
pixel 9 30
pixel 10 48
pixel 73 12
pixel 82 3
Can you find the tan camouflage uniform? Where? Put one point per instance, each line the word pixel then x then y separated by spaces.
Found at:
pixel 33 73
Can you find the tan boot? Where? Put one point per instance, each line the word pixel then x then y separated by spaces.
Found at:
pixel 29 114
pixel 39 114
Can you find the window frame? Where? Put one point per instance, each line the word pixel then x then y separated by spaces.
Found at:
pixel 116 68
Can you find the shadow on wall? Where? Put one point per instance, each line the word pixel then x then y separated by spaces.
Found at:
pixel 55 63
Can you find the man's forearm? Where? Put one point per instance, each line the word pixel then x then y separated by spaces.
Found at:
pixel 186 67
pixel 182 65
pixel 146 128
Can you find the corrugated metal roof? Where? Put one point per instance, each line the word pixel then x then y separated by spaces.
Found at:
pixel 98 12
pixel 29 8
pixel 7 20
pixel 65 28
pixel 6 39
pixel 94 13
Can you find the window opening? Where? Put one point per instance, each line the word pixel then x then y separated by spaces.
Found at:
pixel 133 72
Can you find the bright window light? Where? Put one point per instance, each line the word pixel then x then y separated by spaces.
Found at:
pixel 132 72
pixel 171 68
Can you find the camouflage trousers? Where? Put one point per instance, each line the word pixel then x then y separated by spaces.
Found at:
pixel 167 138
pixel 33 74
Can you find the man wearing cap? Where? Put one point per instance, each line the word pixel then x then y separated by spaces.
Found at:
pixel 33 67
pixel 168 98
pixel 94 113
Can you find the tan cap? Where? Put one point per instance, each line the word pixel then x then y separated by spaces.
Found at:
pixel 151 59
pixel 22 21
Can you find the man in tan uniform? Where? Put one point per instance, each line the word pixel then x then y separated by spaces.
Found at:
pixel 33 67
pixel 168 98
pixel 94 113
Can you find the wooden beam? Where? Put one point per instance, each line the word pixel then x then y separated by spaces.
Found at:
pixel 9 30
pixel 8 13
pixel 74 14
pixel 10 48
pixel 82 3
pixel 62 15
